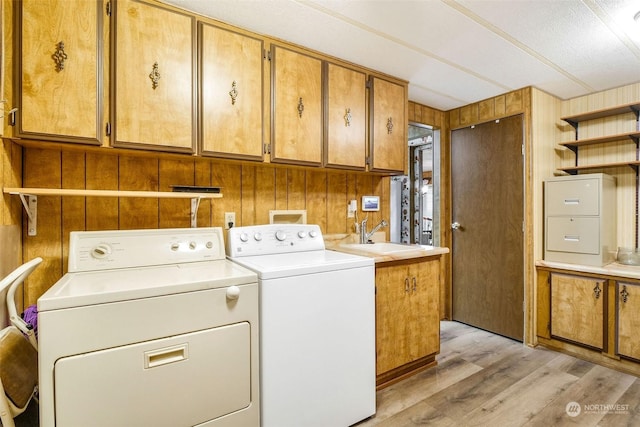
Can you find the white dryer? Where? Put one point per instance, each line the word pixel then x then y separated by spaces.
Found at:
pixel 149 328
pixel 317 326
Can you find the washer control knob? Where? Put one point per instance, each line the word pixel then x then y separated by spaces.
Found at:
pixel 302 234
pixel 257 237
pixel 192 245
pixel 101 251
pixel 281 235
pixel 313 234
pixel 209 244
pixel 233 293
pixel 175 246
pixel 244 237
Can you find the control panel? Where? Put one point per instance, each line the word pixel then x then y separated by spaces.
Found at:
pixel 103 250
pixel 273 239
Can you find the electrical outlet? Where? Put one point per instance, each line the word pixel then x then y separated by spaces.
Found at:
pixel 351 208
pixel 229 220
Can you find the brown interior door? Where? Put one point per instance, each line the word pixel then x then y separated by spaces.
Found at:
pixel 487 222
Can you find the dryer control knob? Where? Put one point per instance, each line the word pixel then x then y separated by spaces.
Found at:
pixel 302 234
pixel 192 245
pixel 233 292
pixel 244 237
pixel 101 251
pixel 313 234
pixel 257 237
pixel 281 235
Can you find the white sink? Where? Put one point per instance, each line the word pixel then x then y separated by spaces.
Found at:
pixel 384 248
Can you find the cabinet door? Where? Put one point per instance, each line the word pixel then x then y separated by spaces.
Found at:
pixel 628 320
pixel 154 96
pixel 393 290
pixel 297 108
pixel 231 94
pixel 388 145
pixel 345 144
pixel 577 309
pixel 59 81
pixel 424 322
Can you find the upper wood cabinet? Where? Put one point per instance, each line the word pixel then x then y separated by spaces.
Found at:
pixel 153 85
pixel 345 138
pixel 58 70
pixel 296 107
pixel 231 93
pixel 388 146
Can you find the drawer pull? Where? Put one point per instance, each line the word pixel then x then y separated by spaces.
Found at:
pixel 572 238
pixel 596 291
pixel 164 356
pixel 624 294
pixel 571 201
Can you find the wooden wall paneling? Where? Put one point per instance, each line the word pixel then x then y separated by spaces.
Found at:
pixel 337 200
pixel 247 215
pixel 281 189
pixel 265 193
pixel 486 109
pixel 382 188
pixel 73 208
pixel 102 213
pixel 10 176
pixel 500 106
pixel 202 177
pixel 515 102
pixel 296 186
pixel 174 213
pixel 43 168
pixel 138 173
pixel 229 177
pixel 316 198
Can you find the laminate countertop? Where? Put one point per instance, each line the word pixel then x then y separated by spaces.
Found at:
pixel 613 269
pixel 384 251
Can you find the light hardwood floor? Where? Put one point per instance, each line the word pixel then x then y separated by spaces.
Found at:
pixel 483 379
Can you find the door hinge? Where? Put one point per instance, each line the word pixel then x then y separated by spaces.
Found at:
pixel 367 160
pixel 108 6
pixel 522 149
pixel 267 54
pixel 267 148
pixel 108 129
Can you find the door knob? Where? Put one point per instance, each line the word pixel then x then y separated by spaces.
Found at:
pixel 455 226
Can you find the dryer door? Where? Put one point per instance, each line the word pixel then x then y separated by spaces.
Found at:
pixel 183 380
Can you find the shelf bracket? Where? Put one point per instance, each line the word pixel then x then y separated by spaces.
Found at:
pixel 30 203
pixel 195 204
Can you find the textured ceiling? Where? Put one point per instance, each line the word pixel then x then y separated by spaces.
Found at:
pixel 454 53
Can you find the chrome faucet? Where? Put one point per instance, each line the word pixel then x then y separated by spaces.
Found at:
pixel 364 236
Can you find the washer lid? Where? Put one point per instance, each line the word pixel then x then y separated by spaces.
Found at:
pixel 298 263
pixel 100 287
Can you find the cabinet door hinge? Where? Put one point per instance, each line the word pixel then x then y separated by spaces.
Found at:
pixel 108 6
pixel 368 83
pixel 266 54
pixel 522 148
pixel 267 148
pixel 108 129
pixel 367 160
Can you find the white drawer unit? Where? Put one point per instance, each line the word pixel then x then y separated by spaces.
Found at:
pixel 580 219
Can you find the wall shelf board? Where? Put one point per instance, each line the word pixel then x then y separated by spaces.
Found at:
pixel 29 198
pixel 633 136
pixel 573 120
pixel 575 169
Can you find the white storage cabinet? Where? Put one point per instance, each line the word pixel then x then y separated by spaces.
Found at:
pixel 580 219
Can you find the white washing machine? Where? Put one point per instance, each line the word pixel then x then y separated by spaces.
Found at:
pixel 317 326
pixel 149 328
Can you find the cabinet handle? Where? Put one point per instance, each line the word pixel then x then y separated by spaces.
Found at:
pixel 154 76
pixel 624 294
pixel 347 117
pixel 233 93
pixel 59 56
pixel 406 285
pixel 390 125
pixel 300 107
pixel 597 290
pixel 415 285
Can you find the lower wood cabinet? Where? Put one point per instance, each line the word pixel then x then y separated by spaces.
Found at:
pixel 589 315
pixel 577 309
pixel 628 320
pixel 407 317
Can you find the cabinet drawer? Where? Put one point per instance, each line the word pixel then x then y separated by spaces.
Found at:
pixel 573 197
pixel 573 234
